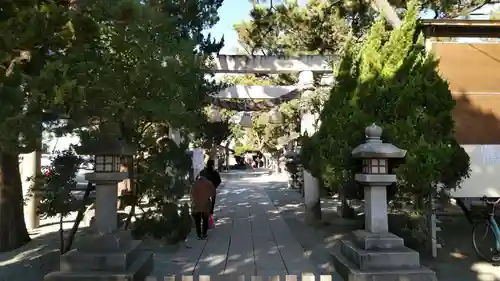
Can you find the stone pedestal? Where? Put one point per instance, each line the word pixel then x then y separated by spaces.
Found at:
pixel 114 256
pixel 374 254
pixel 375 193
pixel 376 209
pixel 312 198
pixel 106 200
pixel 378 257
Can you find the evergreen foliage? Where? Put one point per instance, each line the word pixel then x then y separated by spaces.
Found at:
pixel 162 180
pixel 319 26
pixel 393 82
pixel 139 64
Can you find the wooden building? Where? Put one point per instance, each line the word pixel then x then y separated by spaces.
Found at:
pixel 473 73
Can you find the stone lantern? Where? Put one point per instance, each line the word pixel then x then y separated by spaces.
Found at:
pixel 375 253
pixel 375 177
pixel 291 164
pixel 111 255
pixel 108 155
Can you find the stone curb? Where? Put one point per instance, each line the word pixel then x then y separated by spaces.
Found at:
pixel 235 277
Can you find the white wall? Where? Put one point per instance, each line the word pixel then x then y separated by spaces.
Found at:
pixel 485 172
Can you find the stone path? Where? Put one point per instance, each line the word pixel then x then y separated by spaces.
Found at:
pixel 318 240
pixel 251 238
pixel 457 259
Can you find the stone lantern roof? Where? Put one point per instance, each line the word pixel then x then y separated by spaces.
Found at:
pixel 375 148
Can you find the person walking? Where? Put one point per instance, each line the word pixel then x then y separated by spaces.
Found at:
pixel 212 175
pixel 201 192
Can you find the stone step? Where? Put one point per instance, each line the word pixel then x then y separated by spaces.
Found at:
pixel 380 259
pixel 138 270
pixel 373 241
pixel 351 272
pixel 119 260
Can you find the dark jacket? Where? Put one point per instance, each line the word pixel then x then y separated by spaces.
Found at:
pixel 211 175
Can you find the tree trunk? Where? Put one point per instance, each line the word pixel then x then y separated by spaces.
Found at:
pixel 61 233
pixel 13 232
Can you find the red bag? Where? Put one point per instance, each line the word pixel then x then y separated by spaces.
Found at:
pixel 211 223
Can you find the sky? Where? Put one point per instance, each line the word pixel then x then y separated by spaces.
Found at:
pixel 231 12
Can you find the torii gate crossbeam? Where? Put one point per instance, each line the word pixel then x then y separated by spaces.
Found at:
pixel 271 64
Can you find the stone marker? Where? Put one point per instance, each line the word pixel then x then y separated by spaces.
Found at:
pixel 375 254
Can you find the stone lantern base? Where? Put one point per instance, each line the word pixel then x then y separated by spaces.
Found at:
pixel 378 257
pixel 114 256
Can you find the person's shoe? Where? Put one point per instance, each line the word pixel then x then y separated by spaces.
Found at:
pixel 200 237
pixel 204 236
pixel 495 259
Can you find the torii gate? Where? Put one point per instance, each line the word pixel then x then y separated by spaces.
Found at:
pixel 306 65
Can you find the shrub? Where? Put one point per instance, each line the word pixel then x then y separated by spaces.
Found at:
pixel 170 226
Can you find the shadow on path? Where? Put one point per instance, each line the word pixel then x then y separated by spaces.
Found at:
pixel 251 238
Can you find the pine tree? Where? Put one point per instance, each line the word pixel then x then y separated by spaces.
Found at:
pixel 135 63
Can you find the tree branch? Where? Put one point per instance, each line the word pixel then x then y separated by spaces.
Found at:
pixel 388 12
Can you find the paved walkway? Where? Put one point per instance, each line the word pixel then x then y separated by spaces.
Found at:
pixel 251 238
pixel 457 259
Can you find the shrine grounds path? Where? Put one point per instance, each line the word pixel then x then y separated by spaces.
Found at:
pixel 251 238
pixel 261 231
